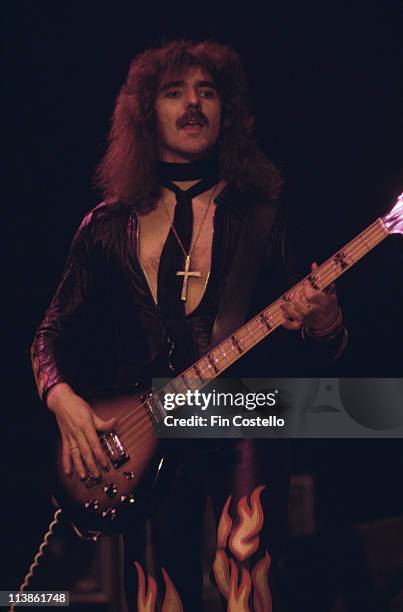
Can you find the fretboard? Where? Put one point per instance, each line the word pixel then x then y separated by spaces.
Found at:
pixel 251 333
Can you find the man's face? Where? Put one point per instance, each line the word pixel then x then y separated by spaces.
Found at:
pixel 188 110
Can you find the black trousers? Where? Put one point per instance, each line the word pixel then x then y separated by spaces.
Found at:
pixel 173 536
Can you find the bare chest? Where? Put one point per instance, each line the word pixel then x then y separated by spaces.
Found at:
pixel 154 230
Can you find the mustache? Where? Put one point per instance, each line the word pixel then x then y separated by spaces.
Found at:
pixel 192 115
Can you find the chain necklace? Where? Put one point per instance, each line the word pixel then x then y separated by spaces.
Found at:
pixel 187 272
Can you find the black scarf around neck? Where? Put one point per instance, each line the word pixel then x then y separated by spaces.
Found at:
pixel 188 171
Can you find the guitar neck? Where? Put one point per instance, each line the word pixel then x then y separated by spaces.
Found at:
pixel 251 333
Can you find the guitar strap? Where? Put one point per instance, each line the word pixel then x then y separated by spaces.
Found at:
pixel 241 280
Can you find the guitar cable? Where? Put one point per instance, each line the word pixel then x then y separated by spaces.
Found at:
pixel 41 551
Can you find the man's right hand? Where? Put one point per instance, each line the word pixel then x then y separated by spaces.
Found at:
pixel 78 424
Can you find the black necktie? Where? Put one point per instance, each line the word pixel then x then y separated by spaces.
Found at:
pixel 172 260
pixel 172 256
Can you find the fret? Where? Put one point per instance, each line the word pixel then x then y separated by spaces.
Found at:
pixel 217 359
pixel 257 328
pixel 205 368
pixel 181 384
pixel 189 378
pixel 209 366
pixel 185 376
pixel 248 338
pixel 314 280
pixel 212 362
pixel 254 331
pixel 237 345
pixel 225 348
pixel 170 387
pixel 247 329
pixel 340 260
pixel 196 369
pixel 245 336
pixel 266 320
pixel 250 334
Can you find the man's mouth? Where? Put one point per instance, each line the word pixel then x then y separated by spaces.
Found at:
pixel 192 127
pixel 193 121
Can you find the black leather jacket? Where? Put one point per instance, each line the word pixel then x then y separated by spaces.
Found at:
pixel 103 328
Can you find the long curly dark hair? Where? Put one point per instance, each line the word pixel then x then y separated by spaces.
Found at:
pixel 128 174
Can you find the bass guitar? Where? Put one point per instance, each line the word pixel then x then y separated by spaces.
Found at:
pixel 138 460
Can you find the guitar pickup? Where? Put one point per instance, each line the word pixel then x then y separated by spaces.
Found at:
pixel 114 448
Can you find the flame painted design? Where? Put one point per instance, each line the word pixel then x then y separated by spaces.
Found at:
pixel 262 600
pixel 145 599
pixel 238 596
pixel 221 570
pixel 172 601
pixel 244 540
pixel 221 567
pixel 224 526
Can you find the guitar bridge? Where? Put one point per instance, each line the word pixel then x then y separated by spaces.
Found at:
pixel 114 448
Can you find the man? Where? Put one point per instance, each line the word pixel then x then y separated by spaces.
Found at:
pixel 180 176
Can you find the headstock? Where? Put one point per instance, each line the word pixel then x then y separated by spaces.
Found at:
pixel 393 220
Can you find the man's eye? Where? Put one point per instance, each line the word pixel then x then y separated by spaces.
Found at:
pixel 173 94
pixel 207 93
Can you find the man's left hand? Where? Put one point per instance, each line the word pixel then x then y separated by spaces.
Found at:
pixel 316 310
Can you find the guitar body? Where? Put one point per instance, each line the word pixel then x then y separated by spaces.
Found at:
pixel 134 479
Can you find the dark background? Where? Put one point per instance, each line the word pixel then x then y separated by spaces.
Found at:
pixel 326 84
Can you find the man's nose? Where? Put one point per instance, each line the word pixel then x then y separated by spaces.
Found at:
pixel 192 98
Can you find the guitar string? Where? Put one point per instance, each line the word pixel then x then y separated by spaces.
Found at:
pixel 327 276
